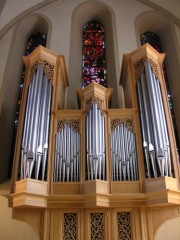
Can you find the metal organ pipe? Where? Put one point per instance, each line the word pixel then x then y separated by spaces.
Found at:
pixel 123 154
pixel 67 154
pixel 95 141
pixel 157 158
pixel 36 126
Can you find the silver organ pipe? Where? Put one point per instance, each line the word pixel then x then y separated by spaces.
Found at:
pixel 36 126
pixel 153 124
pixel 123 154
pixel 95 144
pixel 67 154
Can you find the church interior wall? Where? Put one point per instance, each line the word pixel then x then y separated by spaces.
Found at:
pixel 63 29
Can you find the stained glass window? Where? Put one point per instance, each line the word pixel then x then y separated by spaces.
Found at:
pixel 93 59
pixel 33 42
pixel 154 41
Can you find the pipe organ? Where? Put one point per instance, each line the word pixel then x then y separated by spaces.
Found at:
pixel 94 172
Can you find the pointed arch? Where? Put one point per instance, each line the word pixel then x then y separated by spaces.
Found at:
pixel 82 14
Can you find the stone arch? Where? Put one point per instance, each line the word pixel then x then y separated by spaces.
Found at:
pixel 11 80
pixel 82 14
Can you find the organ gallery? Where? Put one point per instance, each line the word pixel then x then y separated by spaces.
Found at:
pixel 95 172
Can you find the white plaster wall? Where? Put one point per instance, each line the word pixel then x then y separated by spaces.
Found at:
pixel 12 8
pixel 11 229
pixel 171 6
pixel 169 230
pixel 5 44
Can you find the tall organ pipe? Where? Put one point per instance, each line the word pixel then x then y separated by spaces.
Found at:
pixel 95 140
pixel 36 125
pixel 46 129
pixel 34 120
pixel 153 123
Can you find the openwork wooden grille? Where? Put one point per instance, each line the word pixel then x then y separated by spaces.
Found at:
pixel 128 123
pixel 97 226
pixel 73 123
pixel 90 102
pixel 124 226
pixel 48 70
pixel 70 226
pixel 140 65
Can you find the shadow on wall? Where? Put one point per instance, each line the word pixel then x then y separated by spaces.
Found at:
pixel 169 230
pixel 12 229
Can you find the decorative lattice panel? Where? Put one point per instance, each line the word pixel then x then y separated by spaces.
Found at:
pixel 124 226
pixel 70 226
pixel 97 226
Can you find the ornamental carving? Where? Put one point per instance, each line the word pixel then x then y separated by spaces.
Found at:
pixel 140 65
pixel 48 70
pixel 127 122
pixel 70 226
pixel 73 123
pixel 124 226
pixel 89 103
pixel 97 226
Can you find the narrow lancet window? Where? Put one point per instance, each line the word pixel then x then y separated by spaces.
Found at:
pixel 93 57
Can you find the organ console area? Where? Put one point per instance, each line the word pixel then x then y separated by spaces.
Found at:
pixel 95 172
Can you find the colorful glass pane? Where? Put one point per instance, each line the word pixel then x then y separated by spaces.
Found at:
pixel 154 41
pixel 93 60
pixel 96 38
pixel 94 52
pixel 34 41
pixel 93 27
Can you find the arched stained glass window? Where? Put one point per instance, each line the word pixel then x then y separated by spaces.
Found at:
pixel 93 57
pixel 33 42
pixel 154 41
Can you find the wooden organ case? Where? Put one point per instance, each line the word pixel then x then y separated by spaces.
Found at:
pixel 95 172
